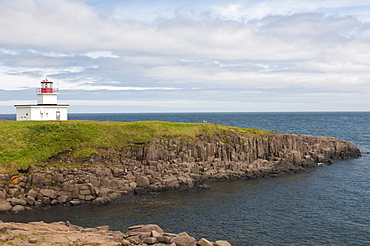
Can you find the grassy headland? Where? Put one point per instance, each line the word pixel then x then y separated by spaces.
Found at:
pixel 31 142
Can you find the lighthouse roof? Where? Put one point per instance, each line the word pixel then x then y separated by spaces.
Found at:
pixel 46 81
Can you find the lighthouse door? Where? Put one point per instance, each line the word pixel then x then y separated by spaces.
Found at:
pixel 58 115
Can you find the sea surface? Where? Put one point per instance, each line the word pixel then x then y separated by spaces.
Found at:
pixel 328 205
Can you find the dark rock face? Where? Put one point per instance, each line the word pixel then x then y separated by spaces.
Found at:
pixel 168 165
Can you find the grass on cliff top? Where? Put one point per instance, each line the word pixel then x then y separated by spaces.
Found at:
pixel 25 143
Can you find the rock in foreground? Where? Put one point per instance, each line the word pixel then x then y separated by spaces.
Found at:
pixel 64 233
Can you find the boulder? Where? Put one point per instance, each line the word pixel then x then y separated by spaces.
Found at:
pixel 204 242
pixel 85 190
pixel 164 239
pixel 49 193
pixel 155 234
pixel 58 178
pixel 17 208
pixel 222 243
pixel 33 240
pixel 183 234
pixel 118 172
pixel 3 239
pixel 101 200
pixel 145 228
pixel 9 237
pixel 63 198
pixel 103 192
pixel 14 192
pixel 75 202
pixel 183 241
pixel 3 228
pixel 150 240
pixel 133 185
pixel 2 195
pixel 88 198
pixel 18 201
pixel 46 200
pixel 30 200
pixel 5 206
pixel 142 181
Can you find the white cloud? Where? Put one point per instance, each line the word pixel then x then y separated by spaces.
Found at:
pixel 50 54
pixel 226 49
pixel 87 87
pixel 101 54
pixel 256 10
pixel 8 52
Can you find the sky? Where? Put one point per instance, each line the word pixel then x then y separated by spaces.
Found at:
pixel 127 56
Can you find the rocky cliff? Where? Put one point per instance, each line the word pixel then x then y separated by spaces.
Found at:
pixel 166 164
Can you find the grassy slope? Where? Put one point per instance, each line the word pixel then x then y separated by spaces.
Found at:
pixel 30 142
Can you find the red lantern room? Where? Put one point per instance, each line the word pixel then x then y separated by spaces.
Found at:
pixel 47 87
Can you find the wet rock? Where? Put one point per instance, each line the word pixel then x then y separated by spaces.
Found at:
pixel 17 208
pixel 75 202
pixel 5 206
pixel 101 200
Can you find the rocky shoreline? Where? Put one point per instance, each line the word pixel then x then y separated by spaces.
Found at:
pixel 165 165
pixel 64 233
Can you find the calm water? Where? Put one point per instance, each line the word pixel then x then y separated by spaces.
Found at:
pixel 328 205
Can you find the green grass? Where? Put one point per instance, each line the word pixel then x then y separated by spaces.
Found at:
pixel 25 143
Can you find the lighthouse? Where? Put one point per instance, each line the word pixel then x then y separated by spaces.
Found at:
pixel 47 107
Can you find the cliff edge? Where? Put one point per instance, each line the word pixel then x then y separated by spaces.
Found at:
pixel 133 158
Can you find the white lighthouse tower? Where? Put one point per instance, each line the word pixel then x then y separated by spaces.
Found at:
pixel 47 107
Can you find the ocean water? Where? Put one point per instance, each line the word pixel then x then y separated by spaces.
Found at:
pixel 328 205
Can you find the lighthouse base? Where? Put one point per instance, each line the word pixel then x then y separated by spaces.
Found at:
pixel 41 112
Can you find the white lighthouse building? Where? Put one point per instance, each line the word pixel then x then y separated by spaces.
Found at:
pixel 47 107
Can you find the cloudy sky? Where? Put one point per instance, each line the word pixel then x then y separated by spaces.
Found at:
pixel 188 55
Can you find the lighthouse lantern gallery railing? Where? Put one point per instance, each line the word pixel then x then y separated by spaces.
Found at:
pixel 46 90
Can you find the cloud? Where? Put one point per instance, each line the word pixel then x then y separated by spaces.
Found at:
pixel 101 54
pixel 246 51
pixel 255 10
pixel 117 88
pixel 50 53
pixel 8 52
